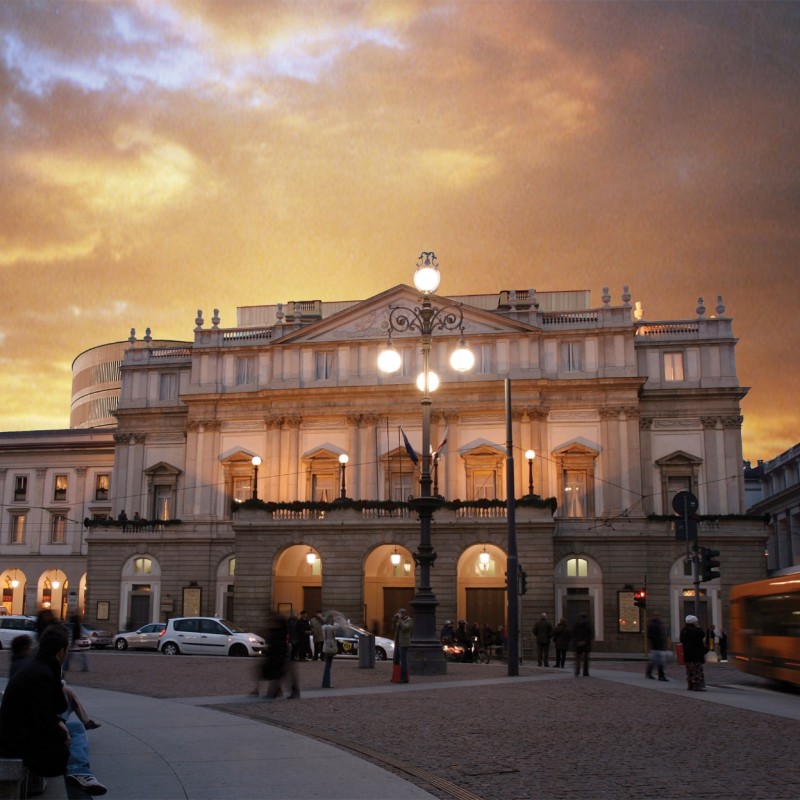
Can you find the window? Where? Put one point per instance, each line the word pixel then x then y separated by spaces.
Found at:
pixel 570 356
pixel 484 484
pixel 577 568
pixel 484 468
pixel 101 486
pixel 168 386
pixel 142 566
pixel 673 366
pixel 242 489
pixel 163 502
pixel 245 370
pixel 323 370
pixel 576 480
pixel 20 488
pixel 58 529
pixel 60 488
pixel 18 528
pixel 680 471
pixel 484 361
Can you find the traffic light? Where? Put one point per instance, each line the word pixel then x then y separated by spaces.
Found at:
pixel 709 565
pixel 522 581
pixel 640 598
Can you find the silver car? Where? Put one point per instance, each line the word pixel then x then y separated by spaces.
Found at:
pixel 146 638
pixel 208 636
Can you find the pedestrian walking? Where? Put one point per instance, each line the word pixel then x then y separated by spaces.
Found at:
pixel 723 645
pixel 77 644
pixel 316 623
pixel 329 647
pixel 583 634
pixel 543 633
pixel 561 639
pixel 694 654
pixel 657 639
pixel 403 631
pixel 302 634
pixel 278 667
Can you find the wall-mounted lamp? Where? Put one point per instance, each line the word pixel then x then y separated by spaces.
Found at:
pixel 343 459
pixel 530 455
pixel 256 463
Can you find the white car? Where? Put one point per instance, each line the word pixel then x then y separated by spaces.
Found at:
pixel 146 638
pixel 208 636
pixel 347 639
pixel 12 625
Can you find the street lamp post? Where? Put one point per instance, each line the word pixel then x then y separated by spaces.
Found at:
pixel 256 461
pixel 425 654
pixel 530 455
pixel 343 459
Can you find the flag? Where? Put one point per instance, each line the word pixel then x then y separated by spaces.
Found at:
pixel 443 443
pixel 409 449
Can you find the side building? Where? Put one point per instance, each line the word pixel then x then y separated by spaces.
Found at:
pixel 230 448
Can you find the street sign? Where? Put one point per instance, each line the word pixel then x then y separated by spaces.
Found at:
pixel 685 503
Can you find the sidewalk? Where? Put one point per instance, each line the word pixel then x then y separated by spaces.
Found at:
pixel 166 749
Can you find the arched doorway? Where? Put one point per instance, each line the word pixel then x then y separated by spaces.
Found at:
pixel 297 584
pixel 224 591
pixel 140 593
pixel 389 584
pixel 681 587
pixel 13 582
pixel 579 590
pixel 481 593
pixel 53 591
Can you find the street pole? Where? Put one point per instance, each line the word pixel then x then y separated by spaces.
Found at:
pixel 512 566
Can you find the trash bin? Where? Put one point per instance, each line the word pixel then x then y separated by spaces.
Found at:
pixel 679 653
pixel 366 651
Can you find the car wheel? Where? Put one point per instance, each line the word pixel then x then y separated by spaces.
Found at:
pixel 170 649
pixel 121 644
pixel 238 651
pixel 380 654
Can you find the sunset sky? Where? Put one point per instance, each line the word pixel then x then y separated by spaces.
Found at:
pixel 159 157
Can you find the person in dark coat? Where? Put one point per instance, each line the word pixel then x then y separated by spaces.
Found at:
pixel 583 634
pixel 31 724
pixel 561 639
pixel 657 639
pixel 693 639
pixel 277 664
pixel 723 646
pixel 543 633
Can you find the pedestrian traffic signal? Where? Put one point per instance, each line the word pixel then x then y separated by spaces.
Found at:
pixel 640 598
pixel 522 581
pixel 709 565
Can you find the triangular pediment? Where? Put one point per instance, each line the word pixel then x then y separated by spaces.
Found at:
pixel 369 320
pixel 576 447
pixel 679 457
pixel 237 455
pixel 162 468
pixel 323 452
pixel 481 447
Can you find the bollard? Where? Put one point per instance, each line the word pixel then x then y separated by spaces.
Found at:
pixel 366 651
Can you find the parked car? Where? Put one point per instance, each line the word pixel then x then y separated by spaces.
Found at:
pixel 146 638
pixel 208 636
pixel 12 625
pixel 97 636
pixel 347 639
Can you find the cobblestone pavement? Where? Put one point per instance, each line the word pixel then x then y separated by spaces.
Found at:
pixel 554 738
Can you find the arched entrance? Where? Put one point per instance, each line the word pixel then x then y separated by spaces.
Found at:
pixel 481 594
pixel 579 590
pixel 13 583
pixel 140 593
pixel 224 590
pixel 388 585
pixel 298 580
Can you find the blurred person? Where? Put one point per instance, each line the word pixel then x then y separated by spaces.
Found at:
pixel 447 633
pixel 462 639
pixel 302 634
pixel 278 667
pixel 329 647
pixel 21 654
pixel 561 639
pixel 316 623
pixel 657 640
pixel 403 631
pixel 76 634
pixel 583 634
pixel 31 723
pixel 722 640
pixel 694 654
pixel 543 633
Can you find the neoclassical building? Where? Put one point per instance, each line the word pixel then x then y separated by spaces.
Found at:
pixel 229 446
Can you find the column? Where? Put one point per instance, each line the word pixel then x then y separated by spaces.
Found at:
pixel 609 488
pixel 632 479
pixel 354 471
pixel 273 489
pixel 369 463
pixel 713 504
pixel 293 461
pixel 646 466
pixel 518 415
pixel 454 481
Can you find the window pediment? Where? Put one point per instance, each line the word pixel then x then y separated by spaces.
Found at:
pixel 679 458
pixel 162 470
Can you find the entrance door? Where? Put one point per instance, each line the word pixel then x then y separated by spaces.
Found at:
pixel 574 606
pixel 140 610
pixel 395 597
pixel 486 607
pixel 312 599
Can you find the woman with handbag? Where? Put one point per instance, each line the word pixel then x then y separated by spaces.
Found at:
pixel 329 647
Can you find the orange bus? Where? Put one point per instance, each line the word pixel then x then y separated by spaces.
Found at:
pixel 765 627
